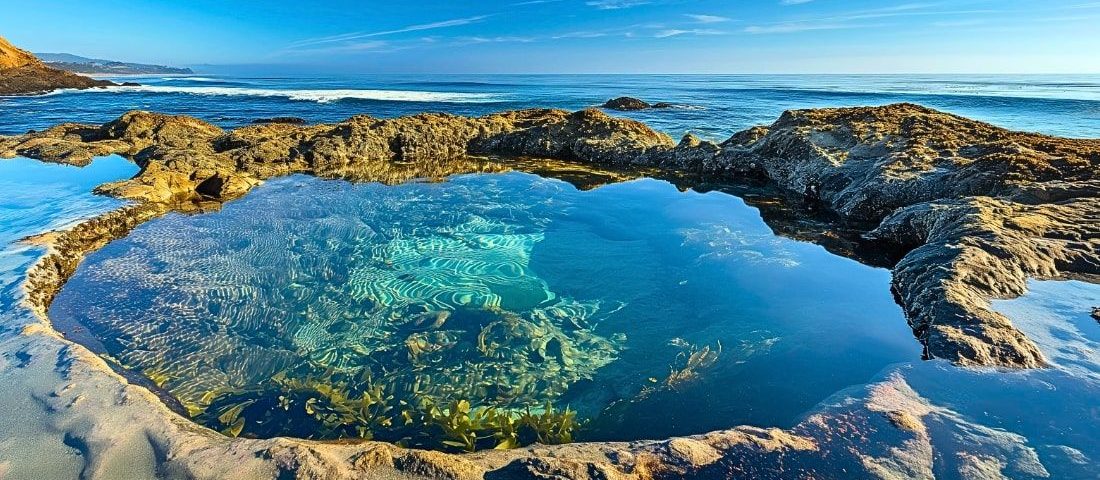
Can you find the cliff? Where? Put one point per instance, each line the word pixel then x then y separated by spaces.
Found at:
pixel 21 73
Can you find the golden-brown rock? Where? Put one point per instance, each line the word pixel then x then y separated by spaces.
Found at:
pixel 21 74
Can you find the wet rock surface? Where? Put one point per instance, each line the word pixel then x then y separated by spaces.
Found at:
pixel 289 120
pixel 631 103
pixel 23 74
pixel 969 209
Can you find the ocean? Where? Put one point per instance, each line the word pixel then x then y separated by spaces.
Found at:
pixel 711 106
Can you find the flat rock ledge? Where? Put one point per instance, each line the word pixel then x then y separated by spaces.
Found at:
pixel 972 211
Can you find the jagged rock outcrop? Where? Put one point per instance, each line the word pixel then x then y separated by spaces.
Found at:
pixel 22 74
pixel 631 103
pixel 971 210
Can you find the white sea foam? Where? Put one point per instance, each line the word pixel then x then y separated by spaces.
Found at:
pixel 321 96
pixel 194 79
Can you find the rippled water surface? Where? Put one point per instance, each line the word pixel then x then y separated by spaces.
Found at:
pixel 650 311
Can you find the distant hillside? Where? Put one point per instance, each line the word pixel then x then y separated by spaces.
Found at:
pixel 78 64
pixel 21 73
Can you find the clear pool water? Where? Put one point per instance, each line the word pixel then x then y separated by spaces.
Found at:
pixel 509 291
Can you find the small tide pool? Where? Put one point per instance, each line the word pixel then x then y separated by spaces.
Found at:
pixel 328 309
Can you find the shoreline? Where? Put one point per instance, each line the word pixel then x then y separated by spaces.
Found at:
pixel 593 139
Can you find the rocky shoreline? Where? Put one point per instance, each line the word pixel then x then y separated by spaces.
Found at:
pixel 972 210
pixel 21 73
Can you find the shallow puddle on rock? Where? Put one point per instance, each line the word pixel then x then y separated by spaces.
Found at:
pixel 328 309
pixel 1057 315
pixel 39 197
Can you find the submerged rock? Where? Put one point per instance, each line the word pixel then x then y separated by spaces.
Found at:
pixel 971 210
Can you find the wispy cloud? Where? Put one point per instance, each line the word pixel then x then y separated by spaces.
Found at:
pixel 960 23
pixel 707 18
pixel 793 27
pixel 581 34
pixel 347 37
pixel 534 2
pixel 615 4
pixel 794 2
pixel 498 39
pixel 693 31
pixel 858 18
pixel 352 47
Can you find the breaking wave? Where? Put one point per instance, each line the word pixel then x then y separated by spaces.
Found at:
pixel 320 96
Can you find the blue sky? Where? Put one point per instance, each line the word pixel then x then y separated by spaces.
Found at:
pixel 522 36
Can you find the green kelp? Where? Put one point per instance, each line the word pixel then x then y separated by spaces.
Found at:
pixel 690 364
pixel 437 353
pixel 693 370
pixel 330 407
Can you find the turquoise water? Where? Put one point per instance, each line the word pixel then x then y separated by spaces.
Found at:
pixel 505 290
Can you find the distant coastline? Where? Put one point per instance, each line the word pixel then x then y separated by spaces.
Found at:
pixel 97 66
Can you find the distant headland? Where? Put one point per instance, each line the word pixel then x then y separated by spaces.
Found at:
pixel 21 73
pixel 98 66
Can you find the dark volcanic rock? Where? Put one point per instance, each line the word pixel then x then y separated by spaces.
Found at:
pixel 972 210
pixel 288 120
pixel 23 74
pixel 631 103
pixel 626 103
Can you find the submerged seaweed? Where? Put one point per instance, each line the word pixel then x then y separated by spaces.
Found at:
pixel 470 311
pixel 327 408
pixel 382 321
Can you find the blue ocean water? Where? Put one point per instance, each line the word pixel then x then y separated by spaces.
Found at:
pixel 712 106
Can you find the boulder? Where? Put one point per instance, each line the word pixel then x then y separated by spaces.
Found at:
pixel 631 103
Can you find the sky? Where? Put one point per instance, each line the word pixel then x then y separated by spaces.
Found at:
pixel 573 36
